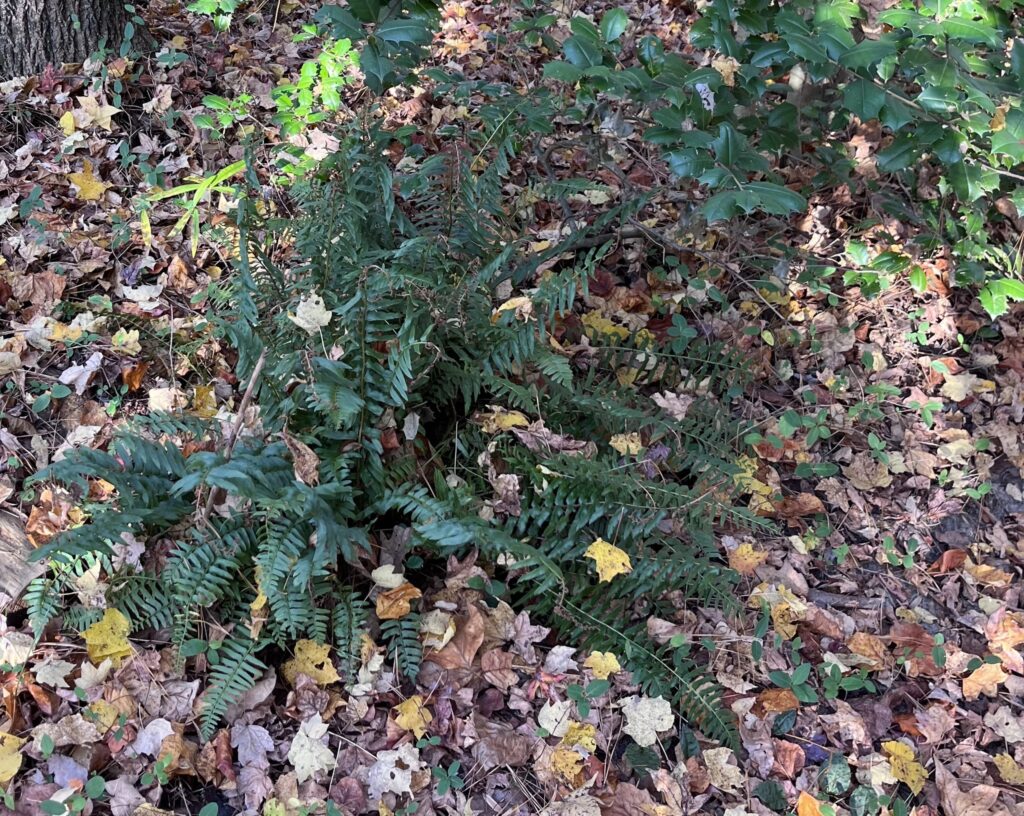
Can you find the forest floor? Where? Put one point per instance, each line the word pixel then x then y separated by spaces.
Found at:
pixel 886 609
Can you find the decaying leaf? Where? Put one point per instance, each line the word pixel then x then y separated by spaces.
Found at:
pixel 645 717
pixel 397 603
pixel 10 756
pixel 313 660
pixel 723 774
pixel 500 419
pixel 308 753
pixel 568 764
pixel 311 315
pixel 412 715
pixel 602 664
pixel 984 680
pixel 905 766
pixel 89 187
pixel 745 559
pixel 610 560
pixel 107 639
pixel 392 772
pixel 627 444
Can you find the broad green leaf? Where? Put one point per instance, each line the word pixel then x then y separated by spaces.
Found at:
pixel 405 31
pixel 582 27
pixel 614 24
pixel 378 69
pixel 582 52
pixel 562 71
pixel 775 198
pixel 918 279
pixel 868 52
pixel 341 22
pixel 863 98
pixel 366 10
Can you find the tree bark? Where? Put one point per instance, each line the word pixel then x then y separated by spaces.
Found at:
pixel 35 33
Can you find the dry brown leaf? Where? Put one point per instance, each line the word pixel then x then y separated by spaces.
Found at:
pixel 497 668
pixel 397 603
pixel 774 701
pixel 871 648
pixel 305 462
pixel 984 680
pixel 867 473
pixel 462 649
pixel 981 800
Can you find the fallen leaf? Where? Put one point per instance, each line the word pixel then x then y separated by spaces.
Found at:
pixel 90 188
pixel 724 775
pixel 10 756
pixel 397 603
pixel 79 375
pixel 867 473
pixel 499 419
pixel 774 701
pixel 610 560
pixel 385 576
pixel 313 660
pixel 675 405
pixel 51 672
pixel 1005 634
pixel 91 112
pixel 602 664
pixel 553 717
pixel 568 764
pixel 253 743
pixel 308 754
pixel 871 648
pixel 981 800
pixel 1009 769
pixel 807 805
pixel 311 315
pixel 627 444
pixel 460 652
pixel 305 463
pixel 958 387
pixel 412 715
pixel 645 717
pixel 497 668
pixel 905 766
pixel 67 123
pixel 583 735
pixel 745 559
pixel 727 67
pixel 107 639
pixel 1006 724
pixel 392 772
pixel 522 306
pixel 984 680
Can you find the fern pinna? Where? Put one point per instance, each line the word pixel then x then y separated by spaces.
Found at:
pixel 403 271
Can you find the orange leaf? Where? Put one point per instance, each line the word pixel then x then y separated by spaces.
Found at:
pixel 397 603
pixel 745 559
pixel 807 805
pixel 774 701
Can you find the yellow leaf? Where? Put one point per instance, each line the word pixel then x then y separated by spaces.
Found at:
pixel 807 805
pixel 904 766
pixel 314 660
pixel 204 403
pixel 610 560
pixel 127 341
pixel 10 756
pixel 600 328
pixel 89 187
pixel 727 67
pixel 522 306
pixel 500 419
pixel 745 559
pixel 412 715
pixel 103 715
pixel 582 735
pixel 998 122
pixel 602 664
pixel 745 480
pixel 627 444
pixel 567 763
pixel 1011 772
pixel 67 123
pixel 63 333
pixel 984 680
pixel 108 638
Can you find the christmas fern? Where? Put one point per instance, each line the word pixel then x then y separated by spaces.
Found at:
pixel 374 319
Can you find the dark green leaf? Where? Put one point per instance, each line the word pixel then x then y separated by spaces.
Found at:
pixel 614 24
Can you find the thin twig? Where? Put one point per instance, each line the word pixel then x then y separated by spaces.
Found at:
pixel 237 427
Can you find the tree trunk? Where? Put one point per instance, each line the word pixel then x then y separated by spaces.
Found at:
pixel 34 33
